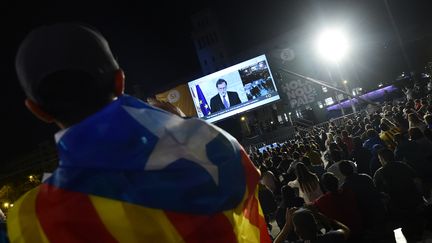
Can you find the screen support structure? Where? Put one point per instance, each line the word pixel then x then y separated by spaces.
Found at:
pixel 322 83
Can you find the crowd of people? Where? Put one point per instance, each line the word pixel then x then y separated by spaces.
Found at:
pixel 356 180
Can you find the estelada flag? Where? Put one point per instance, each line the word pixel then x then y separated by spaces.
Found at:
pixel 134 173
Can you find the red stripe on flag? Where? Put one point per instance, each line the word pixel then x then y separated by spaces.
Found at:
pixel 251 172
pixel 251 209
pixel 202 228
pixel 251 212
pixel 67 216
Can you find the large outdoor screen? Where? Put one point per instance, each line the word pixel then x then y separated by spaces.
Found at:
pixel 233 90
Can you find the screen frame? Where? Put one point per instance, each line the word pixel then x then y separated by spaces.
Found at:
pixel 242 107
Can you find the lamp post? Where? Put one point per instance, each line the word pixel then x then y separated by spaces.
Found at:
pixel 290 119
pixel 345 82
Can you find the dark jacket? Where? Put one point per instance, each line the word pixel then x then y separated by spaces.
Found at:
pixel 216 103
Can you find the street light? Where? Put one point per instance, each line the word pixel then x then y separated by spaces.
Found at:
pixel 332 45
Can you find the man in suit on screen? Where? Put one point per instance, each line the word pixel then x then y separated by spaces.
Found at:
pixel 224 99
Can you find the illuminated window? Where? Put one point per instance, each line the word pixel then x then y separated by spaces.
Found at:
pixel 324 89
pixel 329 101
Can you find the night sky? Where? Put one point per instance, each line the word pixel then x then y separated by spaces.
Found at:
pixel 154 47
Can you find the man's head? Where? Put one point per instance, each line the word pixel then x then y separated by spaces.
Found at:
pixel 304 224
pixel 384 127
pixel 346 168
pixel 67 72
pixel 398 138
pixel 330 182
pixel 221 85
pixel 371 133
pixel 385 156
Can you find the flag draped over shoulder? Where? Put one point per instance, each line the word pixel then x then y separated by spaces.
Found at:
pixel 205 108
pixel 133 173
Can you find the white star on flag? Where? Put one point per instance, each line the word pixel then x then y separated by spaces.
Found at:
pixel 178 138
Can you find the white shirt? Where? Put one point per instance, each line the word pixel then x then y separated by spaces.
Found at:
pixel 307 196
pixel 334 168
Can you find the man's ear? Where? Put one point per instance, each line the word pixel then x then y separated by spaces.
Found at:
pixel 119 82
pixel 38 112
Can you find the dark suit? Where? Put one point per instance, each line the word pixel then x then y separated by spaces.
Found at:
pixel 216 103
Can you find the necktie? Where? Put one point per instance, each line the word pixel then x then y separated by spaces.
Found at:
pixel 225 102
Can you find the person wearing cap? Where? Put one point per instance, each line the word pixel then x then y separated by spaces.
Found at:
pixel 128 171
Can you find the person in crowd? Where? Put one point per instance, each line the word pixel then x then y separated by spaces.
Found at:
pixel 423 108
pixel 314 156
pixel 339 204
pixel 374 163
pixel 408 93
pixel 361 156
pixel 376 121
pixel 307 183
pixel 296 159
pixel 417 104
pixel 335 170
pixel 224 99
pixel 368 198
pixel 124 165
pixel 387 135
pixel 424 144
pixel 320 142
pixel 267 197
pixel 348 141
pixel 332 155
pixel 406 150
pixel 269 180
pixel 401 123
pixel 372 139
pixel 403 188
pixel 358 128
pixel 289 200
pixel 421 163
pixel 414 121
pixel 342 147
pixel 329 139
pixel 318 170
pixel 305 224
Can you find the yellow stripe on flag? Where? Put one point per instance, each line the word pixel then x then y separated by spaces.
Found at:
pixel 132 223
pixel 244 230
pixel 23 224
